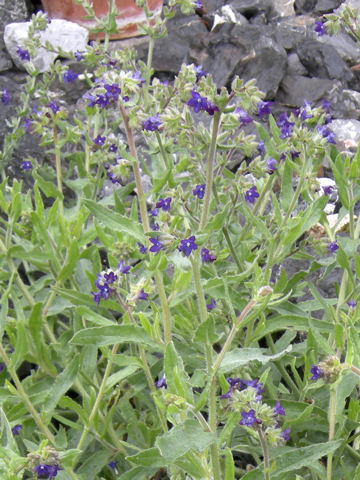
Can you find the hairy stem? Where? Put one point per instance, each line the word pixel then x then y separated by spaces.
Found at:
pixel 332 407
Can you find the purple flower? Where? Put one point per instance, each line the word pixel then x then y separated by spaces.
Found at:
pixel 53 106
pixel 198 5
pixel 152 124
pixel 316 372
pixel 326 105
pixel 264 108
pixel 70 76
pixel 122 268
pixel 258 386
pixel 206 256
pixel 278 409
pixel 320 28
pixel 211 305
pixel 112 91
pixel 156 245
pixel 26 165
pixel 99 140
pixel 199 191
pixel 164 204
pixel 197 102
pixel 16 429
pixel 328 189
pixel 333 246
pixel 23 54
pixel 261 148
pixel 155 227
pixel 351 303
pixel 137 76
pixel 187 245
pixel 27 124
pixel 235 384
pixel 200 72
pixel 211 108
pixel 2 366
pixel 251 194
pixel 46 471
pixel 244 117
pixel 305 111
pixel 78 55
pixel 110 277
pixel 154 212
pixel 113 465
pixel 161 383
pixel 113 148
pixel 285 126
pixel 142 295
pixel 271 165
pixel 248 418
pixel 5 97
pixel 142 248
pixel 103 100
pixel 326 133
pixel 91 99
pixel 285 434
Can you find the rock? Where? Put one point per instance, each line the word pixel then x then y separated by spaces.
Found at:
pixel 304 6
pixel 252 8
pixel 323 61
pixel 295 67
pixel 345 103
pixel 12 11
pixel 211 5
pixel 5 59
pixel 227 14
pixel 183 32
pixel 68 36
pixel 346 47
pixel 282 8
pixel 326 6
pixel 295 89
pixel 347 133
pixel 289 32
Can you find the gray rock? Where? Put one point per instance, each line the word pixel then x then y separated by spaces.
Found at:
pixel 12 11
pixel 323 61
pixel 291 31
pixel 183 34
pixel 347 133
pixel 295 89
pixel 345 103
pixel 5 59
pixel 212 5
pixel 326 6
pixel 60 33
pixel 227 14
pixel 252 8
pixel 304 6
pixel 295 67
pixel 282 8
pixel 346 47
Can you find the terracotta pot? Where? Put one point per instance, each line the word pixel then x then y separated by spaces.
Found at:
pixel 130 16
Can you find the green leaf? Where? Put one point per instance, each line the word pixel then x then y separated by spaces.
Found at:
pixel 48 188
pixel 242 356
pixel 92 464
pixel 72 257
pixel 112 335
pixel 148 458
pixel 287 190
pixel 62 384
pixel 183 438
pixel 115 221
pixel 138 473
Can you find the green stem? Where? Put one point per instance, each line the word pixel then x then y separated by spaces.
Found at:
pixel 25 397
pixel 231 336
pixel 210 171
pixel 58 168
pixel 214 450
pixel 332 408
pixel 280 367
pixel 146 226
pixel 265 451
pixel 163 155
pixel 231 248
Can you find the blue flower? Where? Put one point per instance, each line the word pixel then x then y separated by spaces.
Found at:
pixel 333 246
pixel 320 28
pixel 197 102
pixel 206 256
pixel 248 418
pixel 278 409
pixel 161 383
pixel 200 72
pixel 285 434
pixel 142 295
pixel 26 165
pixel 244 117
pixel 211 305
pixel 164 204
pixel 5 97
pixel 351 303
pixel 328 189
pixel 122 268
pixel 78 55
pixel 142 248
pixel 251 194
pixel 23 54
pixel 46 471
pixel 113 465
pixel 187 245
pixel 70 76
pixel 316 372
pixel 261 148
pixel 16 429
pixel 271 165
pixel 156 245
pixel 112 91
pixel 99 140
pixel 264 108
pixel 53 106
pixel 326 133
pixel 199 191
pixel 152 124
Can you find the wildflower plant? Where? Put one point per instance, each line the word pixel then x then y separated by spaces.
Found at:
pixel 150 327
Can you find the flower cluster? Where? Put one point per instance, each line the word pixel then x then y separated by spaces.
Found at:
pixel 198 103
pixel 107 278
